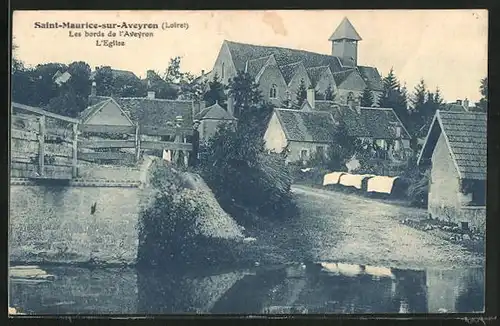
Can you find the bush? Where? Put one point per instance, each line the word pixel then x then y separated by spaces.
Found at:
pixel 244 177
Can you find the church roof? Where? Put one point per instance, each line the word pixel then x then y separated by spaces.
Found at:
pixel 214 112
pixel 372 78
pixel 345 31
pixel 315 73
pixel 341 76
pixel 288 71
pixel 254 66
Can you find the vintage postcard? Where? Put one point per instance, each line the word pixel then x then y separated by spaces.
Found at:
pixel 248 162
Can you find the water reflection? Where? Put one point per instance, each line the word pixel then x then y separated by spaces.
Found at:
pixel 297 288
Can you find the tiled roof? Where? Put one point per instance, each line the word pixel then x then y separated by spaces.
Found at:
pixel 306 126
pixel 253 67
pixel 341 76
pixel 89 111
pixel 345 30
pixel 241 53
pixel 454 107
pixel 214 112
pixel 152 112
pixel 371 77
pixel 315 73
pixel 324 105
pixel 378 123
pixel 288 71
pixel 465 133
pixel 157 112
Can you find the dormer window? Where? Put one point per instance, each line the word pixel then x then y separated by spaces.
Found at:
pixel 350 96
pixel 273 91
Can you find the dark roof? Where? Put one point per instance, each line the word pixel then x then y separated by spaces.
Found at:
pixel 253 67
pixel 306 126
pixel 288 71
pixel 116 73
pixel 152 112
pixel 341 76
pixel 371 77
pixel 315 73
pixel 465 134
pixel 214 112
pixel 378 123
pixel 454 107
pixel 241 53
pixel 345 30
pixel 323 105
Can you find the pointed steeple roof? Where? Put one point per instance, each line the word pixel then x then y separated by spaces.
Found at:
pixel 345 31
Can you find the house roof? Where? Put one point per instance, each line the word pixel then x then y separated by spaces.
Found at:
pixel 378 123
pixel 288 71
pixel 214 112
pixel 93 109
pixel 345 30
pixel 116 73
pixel 153 112
pixel 372 78
pixel 465 135
pixel 306 126
pixel 242 52
pixel 454 107
pixel 341 76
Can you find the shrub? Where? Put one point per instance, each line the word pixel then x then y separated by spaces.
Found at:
pixel 242 175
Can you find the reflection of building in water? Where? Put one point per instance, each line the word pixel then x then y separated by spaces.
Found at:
pixel 455 290
pixel 410 292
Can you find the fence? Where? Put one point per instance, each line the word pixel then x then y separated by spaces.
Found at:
pixel 51 146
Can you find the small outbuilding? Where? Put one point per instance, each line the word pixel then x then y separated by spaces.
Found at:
pixel 455 152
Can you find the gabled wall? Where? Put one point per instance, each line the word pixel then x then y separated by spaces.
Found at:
pixel 294 84
pixel 224 60
pixel 110 114
pixel 325 79
pixel 274 137
pixel 271 74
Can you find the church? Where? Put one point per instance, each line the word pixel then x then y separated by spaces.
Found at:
pixel 279 71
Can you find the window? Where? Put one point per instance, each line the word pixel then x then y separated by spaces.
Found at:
pixel 398 132
pixel 222 72
pixel 303 154
pixel 350 96
pixel 273 91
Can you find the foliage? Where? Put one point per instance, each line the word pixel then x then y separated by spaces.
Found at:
pixel 246 95
pixel 367 98
pixel 109 83
pixel 482 105
pixel 301 94
pixel 395 97
pixel 215 92
pixel 241 174
pixel 161 88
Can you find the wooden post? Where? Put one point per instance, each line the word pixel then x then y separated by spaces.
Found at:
pixel 186 153
pixel 41 146
pixel 137 143
pixel 75 151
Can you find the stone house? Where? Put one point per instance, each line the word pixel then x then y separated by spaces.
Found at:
pixel 211 118
pixel 455 152
pixel 279 70
pixel 301 133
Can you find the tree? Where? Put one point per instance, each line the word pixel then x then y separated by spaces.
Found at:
pixel 173 72
pixel 301 94
pixel 161 88
pixel 329 94
pixel 395 97
pixel 246 95
pixel 367 98
pixel 419 110
pixel 215 93
pixel 104 81
pixel 482 105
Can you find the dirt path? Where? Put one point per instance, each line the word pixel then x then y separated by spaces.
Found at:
pixel 342 227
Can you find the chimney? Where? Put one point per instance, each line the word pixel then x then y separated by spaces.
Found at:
pixel 466 104
pixel 93 89
pixel 310 97
pixel 459 102
pixel 202 72
pixel 230 105
pixel 151 94
pixel 197 107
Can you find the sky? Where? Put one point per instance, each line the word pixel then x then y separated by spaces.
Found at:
pixel 447 48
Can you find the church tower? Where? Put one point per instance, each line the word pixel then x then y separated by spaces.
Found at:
pixel 345 42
